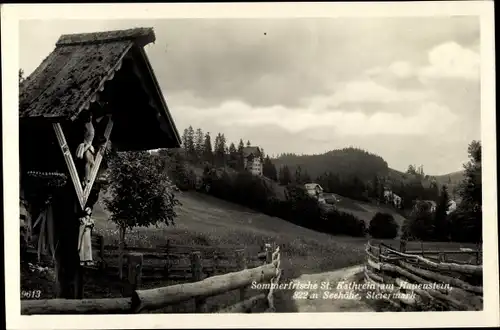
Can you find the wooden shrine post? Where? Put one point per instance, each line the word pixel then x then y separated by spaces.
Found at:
pixel 71 202
pixel 121 84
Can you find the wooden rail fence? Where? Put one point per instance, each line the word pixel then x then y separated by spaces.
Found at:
pixel 416 280
pixel 175 261
pixel 140 301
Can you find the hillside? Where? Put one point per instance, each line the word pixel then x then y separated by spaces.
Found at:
pixel 344 162
pixel 353 162
pixel 451 180
pixel 362 210
pixel 206 220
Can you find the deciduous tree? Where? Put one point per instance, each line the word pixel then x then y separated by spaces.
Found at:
pixel 141 193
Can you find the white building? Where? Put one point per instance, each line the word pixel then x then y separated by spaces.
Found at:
pixel 314 190
pixel 452 207
pixel 252 161
pixel 392 198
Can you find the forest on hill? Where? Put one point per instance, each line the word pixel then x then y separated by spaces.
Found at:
pixel 350 172
pixel 358 174
pixel 344 162
pixel 218 169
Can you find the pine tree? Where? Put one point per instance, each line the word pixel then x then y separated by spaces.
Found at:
pixel 190 146
pixel 220 150
pixel 306 177
pixel 217 149
pixel 441 228
pixel 376 187
pixel 284 175
pixel 233 156
pixel 273 173
pixel 269 170
pixel 185 139
pixel 467 219
pixel 199 144
pixel 298 175
pixel 434 191
pixel 208 155
pixel 240 155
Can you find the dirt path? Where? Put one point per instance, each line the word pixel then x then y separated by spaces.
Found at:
pixel 316 302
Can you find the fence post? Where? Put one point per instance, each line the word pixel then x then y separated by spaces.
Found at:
pixel 241 264
pixel 402 246
pixel 442 256
pixel 269 253
pixel 134 272
pixel 101 252
pixel 216 263
pixel 197 270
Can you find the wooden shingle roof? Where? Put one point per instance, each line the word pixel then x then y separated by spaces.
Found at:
pixel 73 75
pixel 66 81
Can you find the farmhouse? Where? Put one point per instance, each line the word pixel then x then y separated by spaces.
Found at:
pixel 452 207
pixel 392 198
pixel 92 90
pixel 315 190
pixel 252 161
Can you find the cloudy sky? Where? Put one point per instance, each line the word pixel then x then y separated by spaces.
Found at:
pixel 407 89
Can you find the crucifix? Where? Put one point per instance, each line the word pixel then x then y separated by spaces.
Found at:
pixel 83 186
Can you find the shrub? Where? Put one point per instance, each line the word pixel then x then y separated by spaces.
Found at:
pixel 244 188
pixel 383 225
pixel 420 224
pixel 177 168
pixel 342 223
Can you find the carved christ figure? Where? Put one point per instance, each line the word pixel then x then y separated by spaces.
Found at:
pixel 85 150
pixel 85 239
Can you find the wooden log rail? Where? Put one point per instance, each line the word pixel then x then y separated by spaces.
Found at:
pixel 161 297
pixel 385 265
pixel 138 301
pixel 76 306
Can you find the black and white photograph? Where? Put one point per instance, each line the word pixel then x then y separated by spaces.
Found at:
pixel 273 166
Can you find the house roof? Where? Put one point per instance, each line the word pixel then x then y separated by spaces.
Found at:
pixel 247 151
pixel 310 186
pixel 75 74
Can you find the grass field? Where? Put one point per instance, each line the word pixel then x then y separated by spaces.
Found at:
pixel 205 220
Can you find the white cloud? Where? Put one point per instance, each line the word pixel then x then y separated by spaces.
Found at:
pixel 447 60
pixel 451 60
pixel 428 118
pixel 402 69
pixel 366 91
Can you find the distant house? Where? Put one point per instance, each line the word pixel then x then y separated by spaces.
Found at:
pixel 314 190
pixel 392 198
pixel 452 207
pixel 433 205
pixel 252 161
